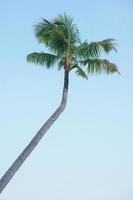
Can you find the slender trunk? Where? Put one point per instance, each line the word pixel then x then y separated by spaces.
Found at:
pixel 30 147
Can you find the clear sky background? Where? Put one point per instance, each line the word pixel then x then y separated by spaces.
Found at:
pixel 88 153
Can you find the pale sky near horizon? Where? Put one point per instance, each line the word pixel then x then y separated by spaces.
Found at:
pixel 88 153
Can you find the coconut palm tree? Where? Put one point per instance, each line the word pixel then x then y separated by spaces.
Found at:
pixel 67 52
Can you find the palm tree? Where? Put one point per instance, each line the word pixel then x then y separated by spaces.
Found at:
pixel 68 53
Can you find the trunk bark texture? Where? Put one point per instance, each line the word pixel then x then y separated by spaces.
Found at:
pixel 30 147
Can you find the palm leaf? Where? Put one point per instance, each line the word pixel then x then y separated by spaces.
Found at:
pixel 100 65
pixel 104 46
pixel 94 49
pixel 42 58
pixel 52 36
pixel 80 72
pixel 43 30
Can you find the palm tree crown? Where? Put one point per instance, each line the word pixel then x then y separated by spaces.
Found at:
pixel 61 37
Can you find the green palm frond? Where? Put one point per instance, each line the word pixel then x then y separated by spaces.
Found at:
pixel 94 49
pixel 42 59
pixel 42 30
pixel 69 30
pixel 59 35
pixel 80 72
pixel 105 45
pixel 100 66
pixel 52 36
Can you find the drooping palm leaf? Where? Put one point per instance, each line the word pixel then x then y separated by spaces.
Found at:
pixel 43 30
pixel 100 66
pixel 81 73
pixel 52 36
pixel 42 59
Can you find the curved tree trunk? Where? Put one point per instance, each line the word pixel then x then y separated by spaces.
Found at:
pixel 30 147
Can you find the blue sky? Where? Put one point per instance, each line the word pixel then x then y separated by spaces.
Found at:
pixel 87 154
